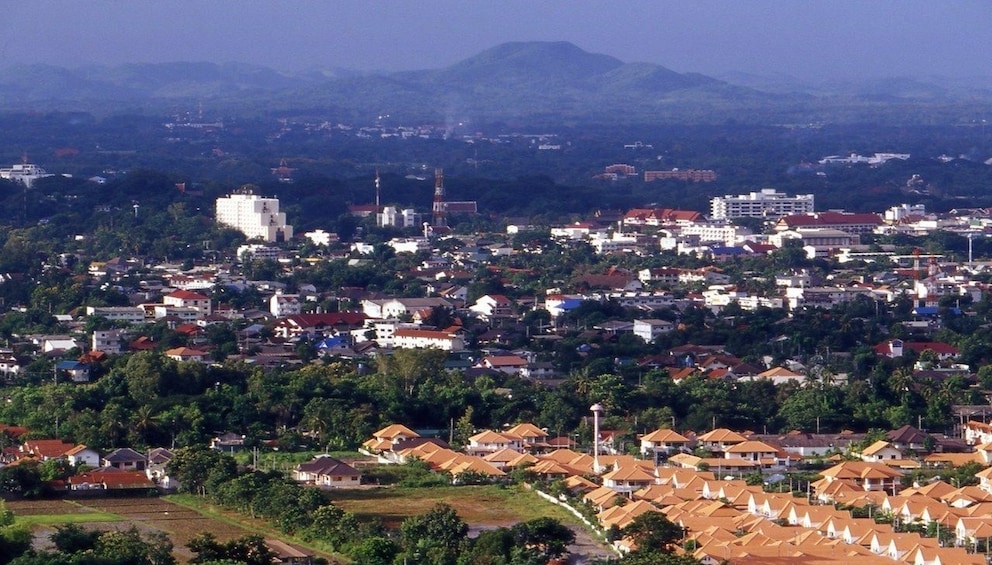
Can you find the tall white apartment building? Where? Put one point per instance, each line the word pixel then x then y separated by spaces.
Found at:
pixel 254 216
pixel 766 203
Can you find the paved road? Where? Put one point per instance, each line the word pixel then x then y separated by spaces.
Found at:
pixel 586 548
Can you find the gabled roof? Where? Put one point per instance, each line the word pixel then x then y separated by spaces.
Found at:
pixel 628 474
pixel 77 450
pixel 876 447
pixel 352 319
pixel 327 465
pixel 722 435
pixel 185 352
pixel 113 479
pixel 489 436
pixel 938 347
pixel 527 430
pixel 187 295
pixel 124 455
pixel 907 434
pixel 780 373
pixel 752 447
pixel 665 436
pixel 504 361
pixel 46 448
pixel 394 430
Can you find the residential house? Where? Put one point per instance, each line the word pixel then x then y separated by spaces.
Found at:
pixel 446 340
pixel 288 553
pixel 45 449
pixel 777 375
pixel 720 439
pixel 768 456
pixel 649 329
pixel 122 314
pixel 493 307
pixel 110 478
pixel 530 435
pixel 313 325
pixel 57 343
pixel 626 479
pixel 388 438
pixel 125 459
pixel 229 442
pixel 74 370
pixel 187 354
pixel 509 364
pixel 401 307
pixel 188 299
pixel 326 471
pixel 488 441
pixel 281 305
pixel 82 455
pixel 909 438
pixel 108 341
pixel 977 433
pixel 158 462
pixel 863 475
pixel 663 441
pixel 896 348
pixel 9 365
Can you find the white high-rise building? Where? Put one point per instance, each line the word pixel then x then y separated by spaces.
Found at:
pixel 764 204
pixel 24 173
pixel 253 215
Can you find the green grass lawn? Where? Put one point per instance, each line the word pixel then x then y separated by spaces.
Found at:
pixel 55 519
pixel 477 505
pixel 284 461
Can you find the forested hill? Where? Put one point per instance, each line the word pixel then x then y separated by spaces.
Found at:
pixel 544 81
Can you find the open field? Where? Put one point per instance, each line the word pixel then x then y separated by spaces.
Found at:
pixel 181 523
pixel 482 506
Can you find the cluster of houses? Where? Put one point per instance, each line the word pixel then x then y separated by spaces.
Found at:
pixel 486 334
pixel 120 470
pixel 727 520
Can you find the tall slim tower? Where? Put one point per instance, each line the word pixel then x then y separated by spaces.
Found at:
pixel 440 208
pixel 377 191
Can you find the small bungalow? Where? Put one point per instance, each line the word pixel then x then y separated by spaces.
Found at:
pixel 326 471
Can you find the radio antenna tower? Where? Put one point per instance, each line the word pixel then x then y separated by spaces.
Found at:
pixel 440 208
pixel 377 191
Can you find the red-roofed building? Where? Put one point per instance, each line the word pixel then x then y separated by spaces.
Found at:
pixel 660 217
pixel 318 324
pixel 188 299
pixel 897 348
pixel 109 478
pixel 363 210
pixel 509 364
pixel 186 354
pixel 45 449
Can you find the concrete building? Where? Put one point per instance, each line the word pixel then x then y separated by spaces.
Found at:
pixel 651 328
pixel 24 173
pixel 254 215
pixel 766 203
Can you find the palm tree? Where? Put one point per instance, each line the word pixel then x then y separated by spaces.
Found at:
pixel 145 422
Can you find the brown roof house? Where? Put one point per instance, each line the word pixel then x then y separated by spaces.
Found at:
pixel 326 471
pixel 125 459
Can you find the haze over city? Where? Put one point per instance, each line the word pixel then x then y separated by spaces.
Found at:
pixel 824 40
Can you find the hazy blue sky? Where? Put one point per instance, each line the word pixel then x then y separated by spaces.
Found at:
pixel 837 38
